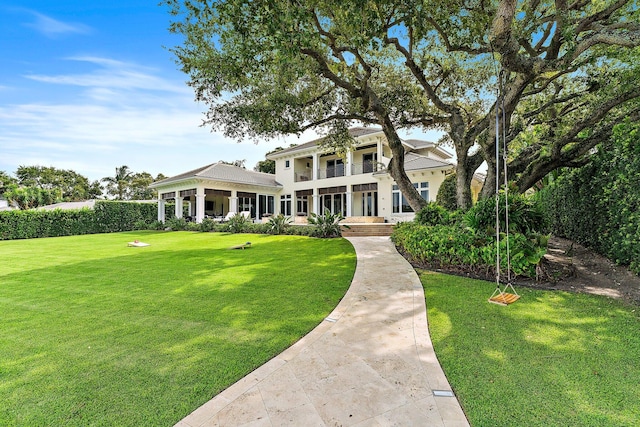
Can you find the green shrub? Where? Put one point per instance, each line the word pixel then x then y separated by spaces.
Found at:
pixel 300 230
pixel 454 246
pixel 114 216
pixel 175 224
pixel 525 215
pixel 238 224
pixel 432 214
pixel 598 205
pixel 207 225
pixel 106 217
pixel 446 196
pixel 278 224
pixel 327 225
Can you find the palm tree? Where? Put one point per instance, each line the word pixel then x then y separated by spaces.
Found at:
pixel 119 184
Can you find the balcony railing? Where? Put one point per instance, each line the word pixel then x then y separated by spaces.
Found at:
pixel 302 176
pixel 331 172
pixel 366 167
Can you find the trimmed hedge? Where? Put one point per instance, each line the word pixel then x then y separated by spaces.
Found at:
pixel 106 217
pixel 598 205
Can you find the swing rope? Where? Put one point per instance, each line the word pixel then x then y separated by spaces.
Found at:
pixel 501 296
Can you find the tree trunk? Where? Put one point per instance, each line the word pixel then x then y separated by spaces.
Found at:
pixel 396 169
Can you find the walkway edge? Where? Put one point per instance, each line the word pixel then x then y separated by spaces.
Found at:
pixel 447 410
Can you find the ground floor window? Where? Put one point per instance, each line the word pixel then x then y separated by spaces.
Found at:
pixel 265 204
pixel 370 203
pixel 400 204
pixel 285 204
pixel 334 203
pixel 302 206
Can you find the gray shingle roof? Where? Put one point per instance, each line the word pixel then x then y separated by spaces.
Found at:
pixel 354 132
pixel 223 172
pixel 414 161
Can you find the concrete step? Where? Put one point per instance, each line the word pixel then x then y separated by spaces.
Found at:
pixel 362 230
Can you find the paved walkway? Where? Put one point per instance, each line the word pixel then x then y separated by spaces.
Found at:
pixel 369 363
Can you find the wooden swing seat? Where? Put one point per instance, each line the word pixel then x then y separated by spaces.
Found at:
pixel 504 298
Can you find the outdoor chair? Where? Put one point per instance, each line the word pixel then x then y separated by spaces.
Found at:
pixel 229 215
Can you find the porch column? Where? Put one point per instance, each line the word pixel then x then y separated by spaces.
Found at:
pixel 349 164
pixel 233 201
pixel 315 165
pixel 161 204
pixel 179 201
pixel 257 207
pixel 316 202
pixel 349 202
pixel 200 204
pixel 379 152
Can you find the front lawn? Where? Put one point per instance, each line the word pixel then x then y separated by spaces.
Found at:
pixel 95 333
pixel 550 359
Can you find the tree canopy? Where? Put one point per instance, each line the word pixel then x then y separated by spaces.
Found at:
pixel 71 185
pixel 129 185
pixel 559 74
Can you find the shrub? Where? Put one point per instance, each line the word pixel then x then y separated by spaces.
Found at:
pixel 176 224
pixel 238 224
pixel 432 214
pixel 525 215
pixel 446 196
pixel 327 225
pixel 453 246
pixel 278 224
pixel 106 217
pixel 598 205
pixel 207 225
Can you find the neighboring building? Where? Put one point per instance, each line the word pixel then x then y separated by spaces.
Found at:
pixel 311 179
pixel 4 206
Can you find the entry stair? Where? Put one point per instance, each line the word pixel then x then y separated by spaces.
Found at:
pixel 366 230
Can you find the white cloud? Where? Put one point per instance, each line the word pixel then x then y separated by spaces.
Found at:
pixel 52 27
pixel 126 114
pixel 113 74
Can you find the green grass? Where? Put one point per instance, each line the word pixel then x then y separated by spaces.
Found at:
pixel 550 359
pixel 97 333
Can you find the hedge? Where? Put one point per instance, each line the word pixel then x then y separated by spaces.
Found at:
pixel 598 205
pixel 106 217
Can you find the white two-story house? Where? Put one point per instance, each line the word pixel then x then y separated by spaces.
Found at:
pixel 312 179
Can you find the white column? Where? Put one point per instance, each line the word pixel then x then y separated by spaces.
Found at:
pixel 161 204
pixel 349 202
pixel 349 164
pixel 200 204
pixel 378 153
pixel 178 210
pixel 233 201
pixel 257 207
pixel 315 165
pixel 316 202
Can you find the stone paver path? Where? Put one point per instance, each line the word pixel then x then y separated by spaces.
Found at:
pixel 369 363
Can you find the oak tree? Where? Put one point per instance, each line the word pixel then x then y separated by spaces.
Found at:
pixel 557 74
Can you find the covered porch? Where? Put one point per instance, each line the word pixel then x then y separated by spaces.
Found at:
pixel 215 190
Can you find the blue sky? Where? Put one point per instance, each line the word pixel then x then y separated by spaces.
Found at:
pixel 90 86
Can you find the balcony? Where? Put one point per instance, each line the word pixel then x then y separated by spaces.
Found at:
pixel 366 167
pixel 331 171
pixel 302 176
